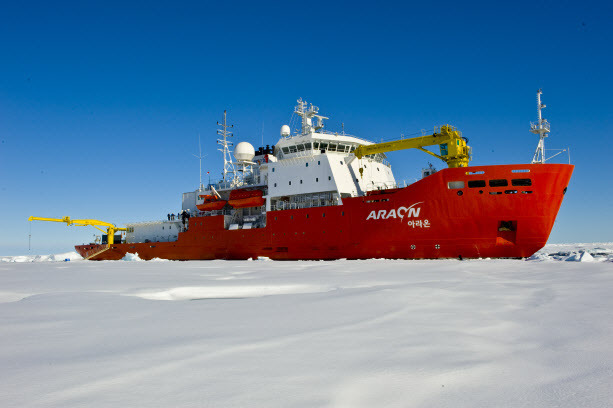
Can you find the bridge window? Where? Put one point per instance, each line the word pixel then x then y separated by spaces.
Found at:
pixel 499 183
pixel 315 145
pixel 521 182
pixel 292 149
pixel 452 185
pixel 476 183
pixel 307 146
pixel 300 147
pixel 285 150
pixel 307 165
pixel 323 146
pixel 332 147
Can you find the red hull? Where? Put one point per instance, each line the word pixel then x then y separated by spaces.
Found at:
pixel 511 221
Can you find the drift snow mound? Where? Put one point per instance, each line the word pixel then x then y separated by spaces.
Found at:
pixel 63 257
pixel 132 257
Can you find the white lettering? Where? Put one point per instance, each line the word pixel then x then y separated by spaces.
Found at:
pixel 414 212
pixel 410 212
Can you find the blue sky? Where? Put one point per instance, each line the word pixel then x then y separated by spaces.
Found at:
pixel 101 104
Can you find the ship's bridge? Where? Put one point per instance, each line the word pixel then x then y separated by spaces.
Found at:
pixel 316 143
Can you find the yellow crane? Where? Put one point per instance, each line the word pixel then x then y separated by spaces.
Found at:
pixel 110 228
pixel 453 148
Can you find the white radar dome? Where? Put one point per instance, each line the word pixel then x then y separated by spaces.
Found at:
pixel 244 151
pixel 285 131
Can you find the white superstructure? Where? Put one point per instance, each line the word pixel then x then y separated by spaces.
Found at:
pixel 311 165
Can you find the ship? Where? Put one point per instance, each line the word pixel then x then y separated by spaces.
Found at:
pixel 322 195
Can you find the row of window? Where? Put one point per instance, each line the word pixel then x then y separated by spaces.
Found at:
pixel 323 214
pixel 492 183
pixel 316 180
pixel 319 145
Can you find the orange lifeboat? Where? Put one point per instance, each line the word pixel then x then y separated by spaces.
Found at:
pixel 242 198
pixel 208 202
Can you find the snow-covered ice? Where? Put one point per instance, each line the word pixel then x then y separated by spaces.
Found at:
pixel 385 333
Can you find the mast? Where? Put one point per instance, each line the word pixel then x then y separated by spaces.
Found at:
pixel 228 165
pixel 307 115
pixel 200 157
pixel 541 128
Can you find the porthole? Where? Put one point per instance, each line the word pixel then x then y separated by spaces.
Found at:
pixel 412 246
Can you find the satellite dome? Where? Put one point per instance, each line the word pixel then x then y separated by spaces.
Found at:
pixel 244 151
pixel 285 131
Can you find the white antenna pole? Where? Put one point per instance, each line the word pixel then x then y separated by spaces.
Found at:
pixel 200 157
pixel 541 128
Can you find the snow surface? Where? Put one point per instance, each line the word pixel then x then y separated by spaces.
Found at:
pixel 375 333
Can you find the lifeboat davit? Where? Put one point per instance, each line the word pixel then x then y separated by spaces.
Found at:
pixel 242 198
pixel 208 202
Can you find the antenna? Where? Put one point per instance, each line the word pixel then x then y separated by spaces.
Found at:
pixel 307 114
pixel 228 165
pixel 541 128
pixel 200 157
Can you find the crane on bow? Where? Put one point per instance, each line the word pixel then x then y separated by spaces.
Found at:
pixel 453 148
pixel 110 228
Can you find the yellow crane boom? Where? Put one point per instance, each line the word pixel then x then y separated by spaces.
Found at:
pixel 110 228
pixel 453 148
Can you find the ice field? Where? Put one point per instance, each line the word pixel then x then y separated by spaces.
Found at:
pixel 374 333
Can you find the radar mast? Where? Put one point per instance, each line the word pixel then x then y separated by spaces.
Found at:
pixel 228 165
pixel 307 114
pixel 541 128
